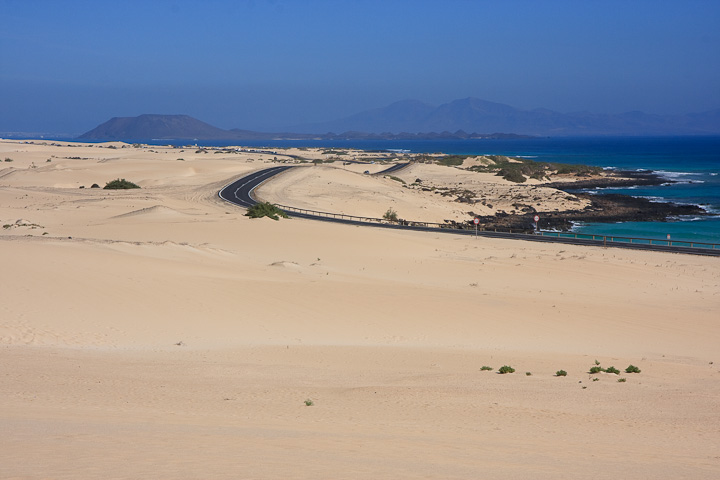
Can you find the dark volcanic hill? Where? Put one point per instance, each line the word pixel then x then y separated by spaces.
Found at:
pixel 158 127
pixel 184 127
pixel 414 120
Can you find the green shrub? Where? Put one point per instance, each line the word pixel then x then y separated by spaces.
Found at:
pixel 516 169
pixel 632 369
pixel 563 168
pixel 561 373
pixel 390 215
pixel 265 209
pixel 528 374
pixel 120 184
pixel 485 367
pixel 596 379
pixel 596 369
pixel 8 159
pixel 512 175
pixel 622 380
pixel 451 160
pixel 506 369
pixel 612 370
pixel 309 403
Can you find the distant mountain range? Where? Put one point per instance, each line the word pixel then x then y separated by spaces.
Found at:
pixel 412 119
pixel 183 127
pixel 475 115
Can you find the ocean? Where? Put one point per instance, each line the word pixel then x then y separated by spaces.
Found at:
pixel 693 163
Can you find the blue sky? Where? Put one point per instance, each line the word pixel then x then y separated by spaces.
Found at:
pixel 69 65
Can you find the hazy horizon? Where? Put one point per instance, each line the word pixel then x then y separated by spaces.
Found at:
pixel 267 65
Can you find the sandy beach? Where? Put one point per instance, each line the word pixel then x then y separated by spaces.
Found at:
pixel 158 332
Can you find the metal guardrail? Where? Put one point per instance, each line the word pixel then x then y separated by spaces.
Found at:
pixel 401 222
pixel 677 246
pixel 601 240
pixel 634 240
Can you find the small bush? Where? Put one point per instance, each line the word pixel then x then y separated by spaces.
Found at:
pixel 596 379
pixel 561 373
pixel 485 367
pixel 506 369
pixel 94 185
pixel 528 374
pixel 8 159
pixel 390 215
pixel 622 380
pixel 596 369
pixel 120 184
pixel 397 179
pixel 612 370
pixel 309 403
pixel 265 209
pixel 451 160
pixel 512 175
pixel 632 369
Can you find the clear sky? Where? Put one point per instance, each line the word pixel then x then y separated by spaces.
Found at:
pixel 68 65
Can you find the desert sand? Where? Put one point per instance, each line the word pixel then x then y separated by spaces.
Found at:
pixel 160 333
pixel 342 189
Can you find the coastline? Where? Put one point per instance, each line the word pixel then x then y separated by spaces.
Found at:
pixel 622 207
pixel 608 208
pixel 141 323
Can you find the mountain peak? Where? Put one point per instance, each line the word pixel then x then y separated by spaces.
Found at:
pixel 155 126
pixel 473 114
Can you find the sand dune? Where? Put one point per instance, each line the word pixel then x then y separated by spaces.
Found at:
pixel 156 213
pixel 349 191
pixel 161 333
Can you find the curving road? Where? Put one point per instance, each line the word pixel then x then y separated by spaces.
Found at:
pixel 240 192
pixel 394 168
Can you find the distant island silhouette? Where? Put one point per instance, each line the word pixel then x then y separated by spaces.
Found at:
pixel 184 127
pixel 415 120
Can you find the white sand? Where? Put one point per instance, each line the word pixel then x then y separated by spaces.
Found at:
pixel 346 189
pixel 385 331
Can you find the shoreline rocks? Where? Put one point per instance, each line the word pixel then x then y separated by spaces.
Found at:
pixel 604 208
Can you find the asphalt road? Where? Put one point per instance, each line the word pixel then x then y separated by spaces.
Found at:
pixel 394 168
pixel 240 192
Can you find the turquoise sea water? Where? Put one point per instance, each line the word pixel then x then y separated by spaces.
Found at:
pixel 692 162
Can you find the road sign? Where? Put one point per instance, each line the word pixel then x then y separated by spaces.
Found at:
pixel 536 218
pixel 476 221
